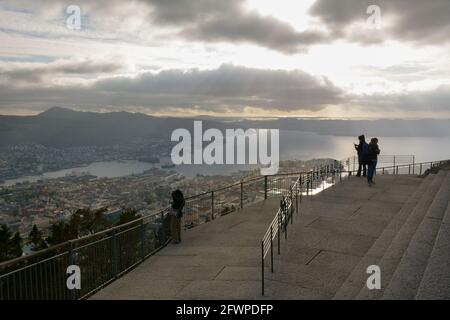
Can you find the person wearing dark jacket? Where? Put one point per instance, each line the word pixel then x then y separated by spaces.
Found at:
pixel 362 149
pixel 372 159
pixel 176 213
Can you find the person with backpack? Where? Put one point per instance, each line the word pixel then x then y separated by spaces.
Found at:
pixel 362 149
pixel 372 159
pixel 176 213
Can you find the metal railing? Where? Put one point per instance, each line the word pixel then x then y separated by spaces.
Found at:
pixel 305 184
pixel 351 163
pixel 103 257
pixel 313 180
pixel 407 168
pixel 279 224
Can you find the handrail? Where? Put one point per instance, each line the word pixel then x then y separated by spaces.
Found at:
pixel 267 240
pixel 285 212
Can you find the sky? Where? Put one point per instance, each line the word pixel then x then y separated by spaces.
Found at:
pixel 235 58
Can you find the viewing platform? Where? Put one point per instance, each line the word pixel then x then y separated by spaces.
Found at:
pixel 402 224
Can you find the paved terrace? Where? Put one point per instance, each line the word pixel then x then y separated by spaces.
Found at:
pixel 331 235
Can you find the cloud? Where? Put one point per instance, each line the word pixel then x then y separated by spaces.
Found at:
pixel 432 101
pixel 36 72
pixel 229 21
pixel 210 21
pixel 225 88
pixel 418 21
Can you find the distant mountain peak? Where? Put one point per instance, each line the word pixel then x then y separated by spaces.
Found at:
pixel 58 111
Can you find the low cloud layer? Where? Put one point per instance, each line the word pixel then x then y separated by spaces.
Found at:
pixel 31 73
pixel 226 88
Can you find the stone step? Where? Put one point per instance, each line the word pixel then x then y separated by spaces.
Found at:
pixel 435 283
pixel 406 279
pixel 358 276
pixel 392 256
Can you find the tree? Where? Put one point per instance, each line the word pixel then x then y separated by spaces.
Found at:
pixel 36 240
pixel 59 233
pixel 5 235
pixel 10 248
pixel 128 215
pixel 89 222
pixel 15 247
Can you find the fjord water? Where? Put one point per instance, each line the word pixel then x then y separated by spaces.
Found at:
pixel 294 145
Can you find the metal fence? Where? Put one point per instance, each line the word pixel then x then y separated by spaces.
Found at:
pixel 107 255
pixel 304 184
pixel 351 163
pixel 314 182
pixel 102 257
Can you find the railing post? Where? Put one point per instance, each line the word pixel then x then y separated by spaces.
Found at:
pixel 414 165
pixel 420 170
pixel 278 234
pixel 394 162
pixel 142 241
pixel 242 194
pixel 292 209
pixel 163 227
pixel 115 254
pixel 285 223
pixel 262 267
pixel 271 248
pixel 301 184
pixel 265 187
pixel 212 205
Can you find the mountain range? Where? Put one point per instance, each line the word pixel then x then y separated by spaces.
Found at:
pixel 60 127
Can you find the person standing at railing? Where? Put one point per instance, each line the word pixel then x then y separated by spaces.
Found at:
pixel 362 149
pixel 372 159
pixel 176 213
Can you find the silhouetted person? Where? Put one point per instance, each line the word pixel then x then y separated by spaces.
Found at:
pixel 372 159
pixel 176 213
pixel 362 148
